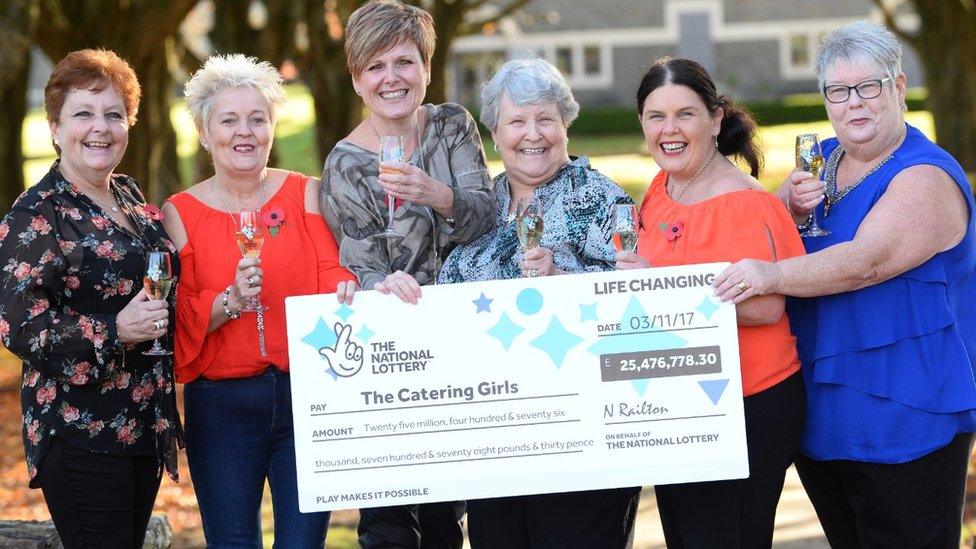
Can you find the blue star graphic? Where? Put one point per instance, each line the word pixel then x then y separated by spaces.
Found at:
pixel 365 334
pixel 483 304
pixel 556 341
pixel 322 336
pixel 343 312
pixel 588 312
pixel 505 331
pixel 707 307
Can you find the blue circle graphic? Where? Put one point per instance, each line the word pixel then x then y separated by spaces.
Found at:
pixel 529 301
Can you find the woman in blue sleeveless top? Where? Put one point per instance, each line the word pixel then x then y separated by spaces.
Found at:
pixel 885 310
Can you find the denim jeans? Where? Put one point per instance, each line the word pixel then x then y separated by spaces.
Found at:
pixel 239 432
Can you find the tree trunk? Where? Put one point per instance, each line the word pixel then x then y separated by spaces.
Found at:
pixel 337 107
pixel 153 137
pixel 945 43
pixel 143 34
pixel 447 20
pixel 16 18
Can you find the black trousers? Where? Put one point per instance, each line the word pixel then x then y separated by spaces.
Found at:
pixel 596 519
pixel 427 526
pixel 741 513
pixel 98 501
pixel 918 503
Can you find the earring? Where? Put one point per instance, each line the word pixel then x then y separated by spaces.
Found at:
pixel 57 142
pixel 205 146
pixel 495 146
pixel 359 93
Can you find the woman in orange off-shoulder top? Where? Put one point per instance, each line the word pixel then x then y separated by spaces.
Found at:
pixel 702 208
pixel 237 397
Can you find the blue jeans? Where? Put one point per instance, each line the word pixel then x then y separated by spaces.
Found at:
pixel 239 432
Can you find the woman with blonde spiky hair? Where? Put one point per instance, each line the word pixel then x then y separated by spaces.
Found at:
pixel 235 363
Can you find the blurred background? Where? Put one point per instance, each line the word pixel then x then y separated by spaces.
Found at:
pixel 761 52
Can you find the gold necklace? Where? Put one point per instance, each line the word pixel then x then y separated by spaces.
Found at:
pixel 377 133
pixel 220 192
pixel 693 178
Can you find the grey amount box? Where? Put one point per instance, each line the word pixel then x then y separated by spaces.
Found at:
pixel 661 363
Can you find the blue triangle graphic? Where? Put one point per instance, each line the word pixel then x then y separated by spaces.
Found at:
pixel 640 385
pixel 714 388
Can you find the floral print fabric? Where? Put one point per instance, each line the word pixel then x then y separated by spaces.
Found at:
pixel 576 207
pixel 68 269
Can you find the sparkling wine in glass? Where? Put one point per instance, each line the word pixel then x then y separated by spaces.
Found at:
pixel 624 223
pixel 529 225
pixel 158 281
pixel 809 158
pixel 250 239
pixel 391 150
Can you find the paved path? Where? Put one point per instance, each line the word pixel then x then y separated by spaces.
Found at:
pixel 797 526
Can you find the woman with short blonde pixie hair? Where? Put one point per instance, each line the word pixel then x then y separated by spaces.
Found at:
pixel 439 196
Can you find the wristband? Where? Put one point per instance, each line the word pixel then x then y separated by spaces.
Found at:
pixel 227 310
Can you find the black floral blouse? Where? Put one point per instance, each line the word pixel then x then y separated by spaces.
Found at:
pixel 67 271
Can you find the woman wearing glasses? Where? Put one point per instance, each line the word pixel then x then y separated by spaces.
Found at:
pixel 887 310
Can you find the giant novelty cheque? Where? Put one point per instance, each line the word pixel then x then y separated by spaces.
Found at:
pixel 511 387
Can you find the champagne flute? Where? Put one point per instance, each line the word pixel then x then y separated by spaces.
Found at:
pixel 623 224
pixel 157 282
pixel 391 150
pixel 809 158
pixel 528 225
pixel 250 239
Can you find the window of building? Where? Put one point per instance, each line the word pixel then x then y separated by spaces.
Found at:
pixel 800 51
pixel 564 60
pixel 591 60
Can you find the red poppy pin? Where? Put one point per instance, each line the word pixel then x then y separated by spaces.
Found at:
pixel 672 231
pixel 274 218
pixel 153 212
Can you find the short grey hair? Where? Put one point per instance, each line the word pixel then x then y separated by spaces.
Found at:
pixel 862 43
pixel 234 70
pixel 527 82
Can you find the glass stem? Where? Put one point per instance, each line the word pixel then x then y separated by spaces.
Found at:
pixel 391 204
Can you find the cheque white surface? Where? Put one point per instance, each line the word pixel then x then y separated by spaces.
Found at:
pixel 511 387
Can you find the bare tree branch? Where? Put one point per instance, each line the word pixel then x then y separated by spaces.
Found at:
pixel 891 23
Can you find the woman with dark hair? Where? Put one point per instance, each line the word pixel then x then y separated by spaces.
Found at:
pixel 702 208
pixel 100 421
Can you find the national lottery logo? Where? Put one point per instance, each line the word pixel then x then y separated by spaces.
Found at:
pixel 345 356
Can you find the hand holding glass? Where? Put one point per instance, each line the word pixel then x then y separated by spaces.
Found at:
pixel 250 239
pixel 528 225
pixel 157 283
pixel 391 150
pixel 624 226
pixel 809 158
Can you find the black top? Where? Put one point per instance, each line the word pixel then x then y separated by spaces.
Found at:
pixel 67 271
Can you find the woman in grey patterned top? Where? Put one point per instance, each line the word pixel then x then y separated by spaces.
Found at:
pixel 528 107
pixel 442 195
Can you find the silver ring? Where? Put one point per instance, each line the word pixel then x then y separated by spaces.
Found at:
pixel 742 286
pixel 532 273
pixel 250 282
pixel 158 324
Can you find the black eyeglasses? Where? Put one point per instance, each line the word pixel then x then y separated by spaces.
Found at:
pixel 869 89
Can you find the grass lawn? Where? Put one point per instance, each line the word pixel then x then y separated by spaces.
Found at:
pixel 620 157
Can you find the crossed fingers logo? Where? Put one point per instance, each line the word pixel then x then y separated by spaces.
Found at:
pixel 345 358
